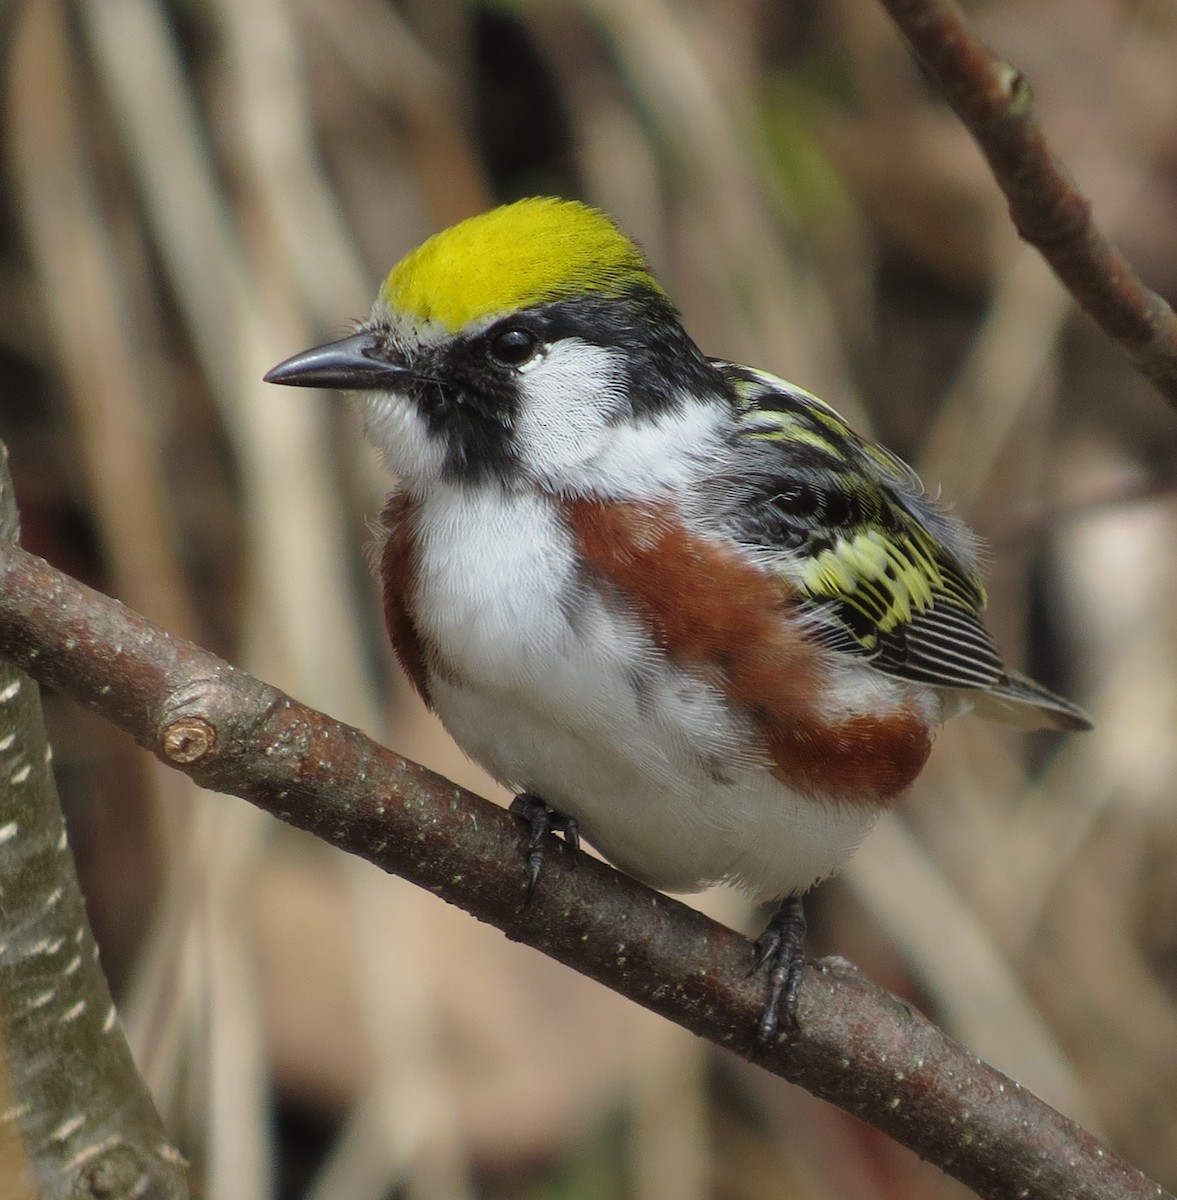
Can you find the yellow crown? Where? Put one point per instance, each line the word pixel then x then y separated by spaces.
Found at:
pixel 535 250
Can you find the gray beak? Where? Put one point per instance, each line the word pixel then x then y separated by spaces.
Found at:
pixel 350 364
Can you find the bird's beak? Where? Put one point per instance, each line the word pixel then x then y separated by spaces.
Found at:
pixel 354 363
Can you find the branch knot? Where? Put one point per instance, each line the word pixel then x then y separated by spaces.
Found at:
pixel 189 739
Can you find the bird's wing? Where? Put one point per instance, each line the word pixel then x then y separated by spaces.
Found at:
pixel 889 575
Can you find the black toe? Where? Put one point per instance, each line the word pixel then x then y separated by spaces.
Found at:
pixel 542 820
pixel 781 949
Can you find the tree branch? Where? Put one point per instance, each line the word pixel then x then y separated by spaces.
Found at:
pixel 75 1118
pixel 859 1047
pixel 996 104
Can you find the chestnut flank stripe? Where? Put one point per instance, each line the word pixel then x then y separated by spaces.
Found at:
pixel 398 569
pixel 708 606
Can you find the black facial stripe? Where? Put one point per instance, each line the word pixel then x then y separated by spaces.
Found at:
pixel 473 412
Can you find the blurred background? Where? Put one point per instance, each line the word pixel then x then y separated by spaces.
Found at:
pixel 194 189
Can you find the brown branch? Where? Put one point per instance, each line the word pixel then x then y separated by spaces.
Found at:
pixel 996 104
pixel 860 1048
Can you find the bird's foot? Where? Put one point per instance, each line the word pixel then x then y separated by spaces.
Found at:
pixel 542 820
pixel 781 948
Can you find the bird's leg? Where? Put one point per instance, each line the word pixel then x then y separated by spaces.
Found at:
pixel 781 948
pixel 543 820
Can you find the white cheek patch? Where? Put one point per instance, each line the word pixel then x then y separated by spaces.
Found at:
pixel 667 453
pixel 569 395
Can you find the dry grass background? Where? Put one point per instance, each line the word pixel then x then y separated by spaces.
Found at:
pixel 192 190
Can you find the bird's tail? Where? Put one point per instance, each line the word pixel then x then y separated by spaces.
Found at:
pixel 1018 700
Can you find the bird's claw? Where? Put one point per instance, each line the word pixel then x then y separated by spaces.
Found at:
pixel 542 821
pixel 781 949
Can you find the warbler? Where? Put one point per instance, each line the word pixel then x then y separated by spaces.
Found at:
pixel 673 602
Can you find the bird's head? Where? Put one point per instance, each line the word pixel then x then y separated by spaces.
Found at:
pixel 514 347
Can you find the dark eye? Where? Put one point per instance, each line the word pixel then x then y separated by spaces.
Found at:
pixel 513 345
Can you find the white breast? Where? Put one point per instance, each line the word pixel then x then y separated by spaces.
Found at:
pixel 551 683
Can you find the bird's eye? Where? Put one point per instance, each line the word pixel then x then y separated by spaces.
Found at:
pixel 514 345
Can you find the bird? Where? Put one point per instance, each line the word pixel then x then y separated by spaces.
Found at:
pixel 673 603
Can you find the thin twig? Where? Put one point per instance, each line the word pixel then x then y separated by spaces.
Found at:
pixel 859 1047
pixel 996 104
